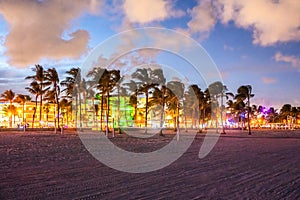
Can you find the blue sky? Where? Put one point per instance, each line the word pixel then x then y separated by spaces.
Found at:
pixel 252 42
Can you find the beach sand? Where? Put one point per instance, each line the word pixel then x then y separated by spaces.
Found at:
pixel 44 165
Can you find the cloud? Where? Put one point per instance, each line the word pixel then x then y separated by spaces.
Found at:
pixel 36 29
pixel 269 80
pixel 203 17
pixel 145 11
pixel 270 21
pixel 293 60
pixel 227 47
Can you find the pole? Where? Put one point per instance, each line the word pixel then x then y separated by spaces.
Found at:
pixel 113 126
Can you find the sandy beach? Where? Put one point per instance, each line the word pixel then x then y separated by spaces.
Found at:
pixel 44 165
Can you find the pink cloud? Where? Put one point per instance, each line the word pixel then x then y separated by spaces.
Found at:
pixel 36 29
pixel 268 80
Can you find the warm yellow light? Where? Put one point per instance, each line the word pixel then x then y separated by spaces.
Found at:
pixel 169 117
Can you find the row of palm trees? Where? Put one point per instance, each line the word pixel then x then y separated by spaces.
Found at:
pixel 149 83
pixel 160 96
pixel 180 100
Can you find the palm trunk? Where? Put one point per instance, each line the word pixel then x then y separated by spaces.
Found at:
pixel 162 115
pixel 177 121
pixel 107 113
pixel 101 112
pixel 249 130
pixel 118 122
pixel 41 104
pixel 23 114
pixel 199 119
pixel 203 118
pixel 76 110
pixel 10 118
pixel 55 130
pixel 80 114
pixel 34 112
pixel 58 108
pixel 146 114
pixel 222 123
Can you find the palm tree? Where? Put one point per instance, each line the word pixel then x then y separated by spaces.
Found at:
pixel 244 92
pixel 66 107
pixel 226 94
pixel 54 92
pixel 215 91
pixel 9 95
pixel 175 95
pixel 47 110
pixel 105 81
pixel 191 106
pixel 147 79
pixel 39 77
pixel 132 91
pixel 201 100
pixel 21 99
pixel 34 89
pixel 159 98
pixel 71 86
pixel 12 111
pixel 113 79
pixel 97 78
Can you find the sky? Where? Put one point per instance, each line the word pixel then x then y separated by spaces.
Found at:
pixel 251 42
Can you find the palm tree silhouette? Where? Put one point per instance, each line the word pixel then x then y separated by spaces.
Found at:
pixel 34 89
pixel 53 94
pixel 226 94
pixel 147 79
pixel 105 81
pixel 244 92
pixel 175 95
pixel 22 99
pixel 9 95
pixel 71 85
pixel 39 77
pixel 66 107
pixel 201 101
pixel 215 91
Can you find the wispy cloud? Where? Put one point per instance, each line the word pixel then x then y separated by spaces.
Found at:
pixel 269 80
pixel 227 47
pixel 293 60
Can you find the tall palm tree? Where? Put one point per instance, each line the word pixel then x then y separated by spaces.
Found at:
pixel 200 97
pixel 147 79
pixel 105 81
pixel 132 90
pixel 244 92
pixel 71 85
pixel 22 99
pixel 66 107
pixel 46 109
pixel 9 95
pixel 39 77
pixel 226 94
pixel 52 79
pixel 191 106
pixel 215 91
pixel 159 98
pixel 96 81
pixel 34 89
pixel 175 95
